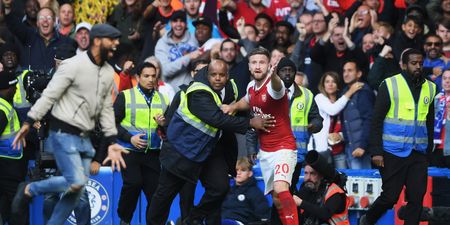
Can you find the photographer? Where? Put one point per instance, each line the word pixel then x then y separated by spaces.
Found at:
pixel 321 198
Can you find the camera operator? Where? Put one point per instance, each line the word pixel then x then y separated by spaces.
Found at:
pixel 321 198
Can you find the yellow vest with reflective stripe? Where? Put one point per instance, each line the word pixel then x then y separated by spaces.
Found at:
pixel 235 90
pixel 20 98
pixel 190 118
pixel 10 131
pixel 139 116
pixel 405 123
pixel 299 111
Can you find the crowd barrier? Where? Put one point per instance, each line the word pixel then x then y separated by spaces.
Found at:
pixel 104 191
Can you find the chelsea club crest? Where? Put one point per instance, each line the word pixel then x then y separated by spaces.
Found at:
pixel 98 200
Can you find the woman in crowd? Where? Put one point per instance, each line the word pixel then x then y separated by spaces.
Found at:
pixel 329 141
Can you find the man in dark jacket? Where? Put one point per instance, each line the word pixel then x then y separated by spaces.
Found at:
pixel 356 118
pixel 39 45
pixel 190 153
pixel 401 135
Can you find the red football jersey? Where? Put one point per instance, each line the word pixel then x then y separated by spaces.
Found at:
pixel 262 103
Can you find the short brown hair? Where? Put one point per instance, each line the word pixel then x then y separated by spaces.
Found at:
pixel 244 163
pixel 259 51
pixel 333 75
pixel 386 26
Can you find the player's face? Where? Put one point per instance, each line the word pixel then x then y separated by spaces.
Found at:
pixel 259 66
pixel 312 178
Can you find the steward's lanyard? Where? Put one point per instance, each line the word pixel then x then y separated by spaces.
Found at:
pixel 148 100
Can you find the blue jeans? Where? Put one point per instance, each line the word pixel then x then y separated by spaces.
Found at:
pixel 340 161
pixel 73 155
pixel 82 211
pixel 363 162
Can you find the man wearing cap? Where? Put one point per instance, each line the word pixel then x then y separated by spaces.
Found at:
pixel 78 95
pixel 175 50
pixel 14 166
pixel 82 36
pixel 321 200
pixel 203 29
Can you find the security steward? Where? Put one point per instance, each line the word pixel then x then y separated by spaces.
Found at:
pixel 193 133
pixel 13 165
pixel 138 112
pixel 402 134
pixel 305 118
pixel 321 199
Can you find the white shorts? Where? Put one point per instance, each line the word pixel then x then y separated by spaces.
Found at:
pixel 277 166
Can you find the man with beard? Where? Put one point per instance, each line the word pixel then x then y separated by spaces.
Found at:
pixel 435 63
pixel 321 200
pixel 283 33
pixel 31 11
pixel 401 136
pixel 78 94
pixel 297 9
pixel 82 36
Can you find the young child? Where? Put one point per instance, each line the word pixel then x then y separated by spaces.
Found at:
pixel 245 203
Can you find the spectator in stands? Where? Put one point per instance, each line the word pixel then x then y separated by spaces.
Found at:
pixel 249 10
pixel 367 42
pixel 336 47
pixel 238 70
pixel 443 30
pixel 175 50
pixel 39 44
pixel 441 155
pixel 245 203
pixel 438 10
pixel 283 34
pixel 408 37
pixel 127 17
pixel 264 24
pixel 309 32
pixel 301 79
pixel 9 58
pixel 356 118
pixel 203 30
pixel 361 24
pixel 192 9
pixel 66 26
pixel 434 63
pixel 276 54
pixel 330 106
pixel 82 36
pixel 296 11
pixel 31 11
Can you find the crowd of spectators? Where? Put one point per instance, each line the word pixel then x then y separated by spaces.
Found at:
pixel 319 36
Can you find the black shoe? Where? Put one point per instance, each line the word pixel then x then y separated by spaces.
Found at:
pixel 20 202
pixel 425 215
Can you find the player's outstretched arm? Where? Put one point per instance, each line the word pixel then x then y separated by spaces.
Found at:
pixel 241 105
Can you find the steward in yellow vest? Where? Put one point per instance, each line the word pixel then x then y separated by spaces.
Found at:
pixel 139 111
pixel 305 117
pixel 192 150
pixel 401 136
pixel 14 166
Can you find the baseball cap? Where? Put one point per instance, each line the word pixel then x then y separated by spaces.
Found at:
pixel 84 25
pixel 180 14
pixel 203 20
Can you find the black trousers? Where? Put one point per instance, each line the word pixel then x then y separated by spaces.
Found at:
pixel 141 174
pixel 397 172
pixel 214 178
pixel 13 172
